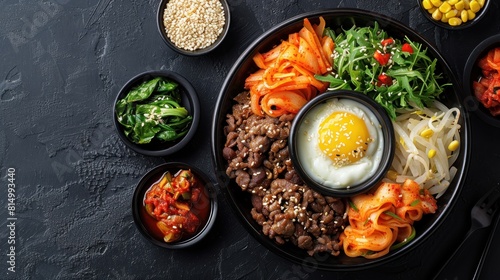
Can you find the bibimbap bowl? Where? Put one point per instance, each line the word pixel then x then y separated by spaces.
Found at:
pixel 244 202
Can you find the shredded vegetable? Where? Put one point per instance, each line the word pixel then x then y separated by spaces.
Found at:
pixel 285 80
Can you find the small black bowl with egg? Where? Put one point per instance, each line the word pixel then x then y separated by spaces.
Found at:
pixel 341 143
pixel 193 28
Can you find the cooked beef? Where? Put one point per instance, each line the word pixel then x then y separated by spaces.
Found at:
pixel 256 150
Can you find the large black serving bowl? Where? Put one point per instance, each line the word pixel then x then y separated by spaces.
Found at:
pixel 335 19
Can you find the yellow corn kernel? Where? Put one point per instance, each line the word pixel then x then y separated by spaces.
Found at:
pixel 453 146
pixel 427 4
pixel 437 15
pixel 436 3
pixel 444 19
pixel 452 13
pixel 481 2
pixel 432 10
pixel 460 5
pixel 466 4
pixel 392 175
pixel 454 21
pixel 452 2
pixel 431 153
pixel 474 6
pixel 464 16
pixel 427 133
pixel 471 15
pixel 445 7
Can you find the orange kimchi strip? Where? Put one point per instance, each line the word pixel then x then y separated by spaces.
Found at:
pixel 379 219
pixel 287 71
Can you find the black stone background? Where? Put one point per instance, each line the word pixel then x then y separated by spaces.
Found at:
pixel 61 64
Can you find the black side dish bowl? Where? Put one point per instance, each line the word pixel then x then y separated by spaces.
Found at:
pixel 338 20
pixel 387 138
pixel 198 52
pixel 209 205
pixel 472 73
pixel 479 15
pixel 189 100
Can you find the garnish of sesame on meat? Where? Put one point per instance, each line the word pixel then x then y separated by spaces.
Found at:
pixel 256 151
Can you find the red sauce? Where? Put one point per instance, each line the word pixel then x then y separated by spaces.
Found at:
pixel 175 207
pixel 487 89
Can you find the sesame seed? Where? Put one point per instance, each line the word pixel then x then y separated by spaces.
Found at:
pixel 193 25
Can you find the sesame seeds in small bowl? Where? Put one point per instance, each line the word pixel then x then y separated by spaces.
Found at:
pixel 193 27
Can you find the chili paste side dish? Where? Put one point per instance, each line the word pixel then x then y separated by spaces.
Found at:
pixel 176 206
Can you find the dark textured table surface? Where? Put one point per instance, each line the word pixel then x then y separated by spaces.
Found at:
pixel 61 65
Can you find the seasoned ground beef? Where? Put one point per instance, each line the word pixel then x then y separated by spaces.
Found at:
pixel 257 154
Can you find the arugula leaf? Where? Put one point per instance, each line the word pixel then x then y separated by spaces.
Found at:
pixel 415 81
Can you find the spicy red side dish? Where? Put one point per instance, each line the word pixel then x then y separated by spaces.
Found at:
pixel 177 206
pixel 487 88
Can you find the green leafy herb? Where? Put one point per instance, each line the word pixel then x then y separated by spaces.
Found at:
pixel 414 78
pixel 152 110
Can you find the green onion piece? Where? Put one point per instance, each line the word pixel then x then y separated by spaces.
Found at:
pixel 415 202
pixel 406 241
pixel 392 214
pixel 353 206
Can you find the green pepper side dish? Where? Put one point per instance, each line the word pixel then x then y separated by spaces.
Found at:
pixel 153 110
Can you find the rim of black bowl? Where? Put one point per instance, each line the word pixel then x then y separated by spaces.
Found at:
pixel 472 73
pixel 467 24
pixel 141 189
pixel 213 46
pixel 189 101
pixel 222 106
pixel 388 146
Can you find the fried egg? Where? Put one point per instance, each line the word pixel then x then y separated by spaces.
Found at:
pixel 340 143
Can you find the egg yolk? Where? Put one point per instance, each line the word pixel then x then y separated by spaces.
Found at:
pixel 343 137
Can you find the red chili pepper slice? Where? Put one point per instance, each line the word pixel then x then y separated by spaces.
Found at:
pixel 384 80
pixel 407 48
pixel 386 42
pixel 382 58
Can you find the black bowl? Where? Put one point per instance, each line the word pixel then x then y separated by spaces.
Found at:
pixel 213 46
pixel 472 72
pixel 208 200
pixel 479 15
pixel 387 137
pixel 189 101
pixel 234 84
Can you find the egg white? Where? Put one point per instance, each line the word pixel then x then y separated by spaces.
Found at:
pixel 319 166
